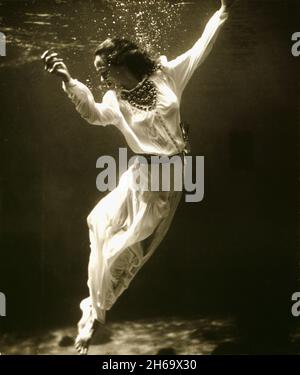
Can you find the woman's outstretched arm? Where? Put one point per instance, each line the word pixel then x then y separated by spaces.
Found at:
pixel 94 113
pixel 182 68
pixel 103 113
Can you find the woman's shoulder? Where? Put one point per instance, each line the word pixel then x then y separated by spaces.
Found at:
pixel 161 69
pixel 165 66
pixel 110 98
pixel 165 69
pixel 161 63
pixel 162 60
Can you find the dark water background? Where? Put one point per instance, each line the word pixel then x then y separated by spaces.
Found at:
pixel 235 253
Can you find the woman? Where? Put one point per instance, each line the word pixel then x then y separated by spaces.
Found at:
pixel 128 224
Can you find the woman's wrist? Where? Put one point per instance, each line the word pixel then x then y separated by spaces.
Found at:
pixel 67 78
pixel 223 10
pixel 226 6
pixel 70 83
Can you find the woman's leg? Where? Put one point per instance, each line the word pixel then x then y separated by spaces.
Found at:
pixel 93 314
pixel 94 308
pixel 125 228
pixel 128 263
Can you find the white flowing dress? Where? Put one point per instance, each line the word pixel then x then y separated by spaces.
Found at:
pixel 127 225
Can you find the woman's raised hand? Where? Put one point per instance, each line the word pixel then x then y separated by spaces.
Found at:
pixel 227 3
pixel 55 65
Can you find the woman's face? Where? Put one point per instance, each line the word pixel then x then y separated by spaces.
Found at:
pixel 107 73
pixel 118 76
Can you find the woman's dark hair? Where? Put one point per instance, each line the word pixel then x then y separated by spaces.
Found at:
pixel 120 51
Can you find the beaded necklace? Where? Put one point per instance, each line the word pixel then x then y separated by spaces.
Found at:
pixel 144 95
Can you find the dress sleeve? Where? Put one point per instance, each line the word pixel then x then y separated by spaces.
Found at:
pixel 182 68
pixel 104 113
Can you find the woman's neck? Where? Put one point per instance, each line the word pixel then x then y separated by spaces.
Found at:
pixel 129 82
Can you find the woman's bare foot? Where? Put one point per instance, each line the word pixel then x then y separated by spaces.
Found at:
pixel 87 326
pixel 86 332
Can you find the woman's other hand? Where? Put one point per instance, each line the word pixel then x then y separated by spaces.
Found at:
pixel 54 64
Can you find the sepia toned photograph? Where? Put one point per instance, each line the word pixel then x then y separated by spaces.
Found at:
pixel 149 178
